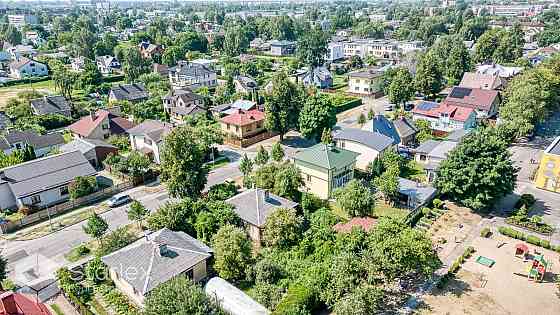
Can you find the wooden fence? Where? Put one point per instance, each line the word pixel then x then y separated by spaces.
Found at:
pixel 45 214
pixel 243 143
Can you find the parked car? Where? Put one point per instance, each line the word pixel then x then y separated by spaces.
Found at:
pixel 118 200
pixel 408 106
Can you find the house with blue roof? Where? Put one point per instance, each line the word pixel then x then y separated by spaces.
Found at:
pixel 401 130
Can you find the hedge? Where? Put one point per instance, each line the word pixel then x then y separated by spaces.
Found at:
pixel 298 297
pixel 77 303
pixel 348 105
pixel 531 239
pixel 113 78
pixel 26 81
pixel 485 232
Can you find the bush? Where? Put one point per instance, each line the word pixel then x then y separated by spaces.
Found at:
pixel 298 300
pixel 533 240
pixel 527 200
pixel 485 232
pixel 545 244
pixel 454 267
pixel 115 240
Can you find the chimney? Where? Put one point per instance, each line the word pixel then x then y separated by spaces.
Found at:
pixel 162 249
pixel 9 303
pixel 266 195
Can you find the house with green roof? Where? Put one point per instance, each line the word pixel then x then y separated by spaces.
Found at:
pixel 325 168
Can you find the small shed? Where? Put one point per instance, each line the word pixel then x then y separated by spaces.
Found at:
pixel 233 300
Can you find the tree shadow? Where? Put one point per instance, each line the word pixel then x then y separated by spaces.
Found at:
pixel 454 286
pixel 231 155
pixel 297 142
pixel 540 208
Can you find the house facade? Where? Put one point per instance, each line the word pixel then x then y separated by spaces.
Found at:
pixel 335 51
pixel 369 145
pixel 101 125
pixel 444 118
pixel 180 104
pixel 548 173
pixel 19 140
pixel 192 76
pixel 42 182
pixel 431 153
pixel 364 82
pixel 243 124
pixel 148 137
pixel 324 168
pixel 108 64
pixel 484 102
pixel 282 47
pixel 23 67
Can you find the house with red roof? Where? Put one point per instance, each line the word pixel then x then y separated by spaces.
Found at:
pixel 19 304
pixel 243 124
pixel 445 118
pixel 484 102
pixel 101 124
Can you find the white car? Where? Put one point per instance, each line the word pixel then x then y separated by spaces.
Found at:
pixel 118 200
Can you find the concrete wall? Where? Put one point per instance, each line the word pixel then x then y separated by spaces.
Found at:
pixel 48 197
pixel 138 143
pixel 367 154
pixel 7 200
pixel 315 181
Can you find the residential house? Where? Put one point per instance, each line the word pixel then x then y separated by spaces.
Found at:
pixel 231 299
pixel 4 121
pixel 504 72
pixel 325 167
pixel 20 20
pixel 34 38
pixel 148 50
pixel 484 102
pixel 19 140
pixel 208 63
pixel 431 153
pixel 365 82
pixel 51 105
pixel 245 84
pixel 369 145
pixel 319 77
pixel 401 130
pixel 182 103
pixel 335 51
pixel 24 67
pixel 259 44
pixel 232 108
pixel 18 51
pixel 134 93
pixel 475 80
pixel 41 182
pixel 108 64
pixel 548 173
pixel 160 69
pixel 444 118
pixel 148 137
pixel 414 195
pixel 12 303
pixel 282 47
pixel 101 125
pixel 253 207
pixel 192 76
pixel 158 258
pixel 243 124
pixel 95 151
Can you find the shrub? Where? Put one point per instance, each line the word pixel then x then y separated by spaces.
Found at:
pixel 454 267
pixel 527 200
pixel 485 232
pixel 545 244
pixel 115 240
pixel 298 300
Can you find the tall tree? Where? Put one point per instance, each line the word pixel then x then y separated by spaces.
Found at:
pixel 355 199
pixel 277 153
pixel 232 251
pixel 262 156
pixel 312 48
pixel 134 65
pixel 401 88
pixel 282 228
pixel 478 171
pixel 96 226
pixel 137 212
pixel 429 78
pixel 282 106
pixel 318 114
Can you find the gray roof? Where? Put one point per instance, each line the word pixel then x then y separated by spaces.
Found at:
pixel 129 92
pixel 405 127
pixel 189 110
pixel 554 147
pixel 247 82
pixel 186 95
pixel 51 105
pixel 182 253
pixel 458 135
pixel 427 147
pixel 190 69
pixel 4 121
pixel 45 173
pixel 442 150
pixel 32 139
pixel 253 206
pixel 367 74
pixel 420 192
pixel 153 129
pixel 373 140
pixel 84 145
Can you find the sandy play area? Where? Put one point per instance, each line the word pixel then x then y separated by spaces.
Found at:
pixel 501 289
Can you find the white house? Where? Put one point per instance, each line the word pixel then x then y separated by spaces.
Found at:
pixel 364 81
pixel 41 182
pixel 369 145
pixel 24 67
pixel 431 153
pixel 190 75
pixel 443 117
pixel 107 64
pixel 335 51
pixel 148 137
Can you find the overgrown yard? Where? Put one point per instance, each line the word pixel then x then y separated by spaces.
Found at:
pixel 11 91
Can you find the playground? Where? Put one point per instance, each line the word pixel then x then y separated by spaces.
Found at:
pixel 503 288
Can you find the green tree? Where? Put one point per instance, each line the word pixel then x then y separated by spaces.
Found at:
pixel 235 41
pixel 318 114
pixel 216 215
pixel 282 228
pixel 401 88
pixel 355 199
pixel 312 48
pixel 176 216
pixel 180 296
pixel 246 167
pixel 232 252
pixel 424 130
pixel 137 164
pixel 287 181
pixel 388 183
pixel 9 33
pixel 82 186
pixel 262 156
pixel 3 268
pixel 137 212
pixel 429 78
pixel 95 271
pixel 96 227
pixel 134 65
pixel 361 119
pixel 282 107
pixel 277 153
pixel 478 171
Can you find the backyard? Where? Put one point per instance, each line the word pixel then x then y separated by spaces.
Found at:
pixel 8 92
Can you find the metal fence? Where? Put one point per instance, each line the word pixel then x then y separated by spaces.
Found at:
pixel 49 212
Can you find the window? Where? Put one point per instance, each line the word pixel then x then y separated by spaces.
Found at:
pixel 35 199
pixel 105 126
pixel 190 274
pixel 63 191
pixel 236 128
pixel 308 178
pixel 422 157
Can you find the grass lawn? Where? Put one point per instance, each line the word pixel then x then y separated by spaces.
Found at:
pixel 57 309
pixel 339 81
pixel 9 92
pixel 385 210
pixel 222 161
pixel 413 171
